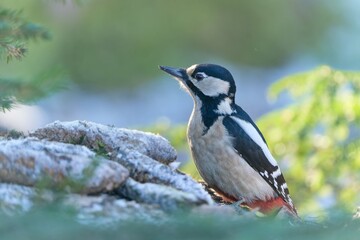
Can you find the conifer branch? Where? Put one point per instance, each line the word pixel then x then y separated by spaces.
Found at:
pixel 15 32
pixel 16 91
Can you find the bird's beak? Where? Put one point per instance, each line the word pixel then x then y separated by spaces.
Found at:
pixel 179 73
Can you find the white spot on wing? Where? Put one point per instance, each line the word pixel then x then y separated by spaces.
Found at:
pixel 275 184
pixel 255 136
pixel 264 173
pixel 276 173
pixel 283 187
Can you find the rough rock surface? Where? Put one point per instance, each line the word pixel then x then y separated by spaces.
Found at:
pixel 108 138
pixel 15 198
pixel 31 162
pixel 144 169
pixel 167 198
pixel 107 210
pixel 52 158
pixel 102 209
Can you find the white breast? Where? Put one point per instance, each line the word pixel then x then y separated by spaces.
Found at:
pixel 221 166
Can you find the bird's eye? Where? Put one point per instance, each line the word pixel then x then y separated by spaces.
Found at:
pixel 199 76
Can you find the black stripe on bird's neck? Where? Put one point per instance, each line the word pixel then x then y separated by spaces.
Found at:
pixel 194 89
pixel 210 112
pixel 209 105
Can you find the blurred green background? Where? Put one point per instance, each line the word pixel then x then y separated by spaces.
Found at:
pixel 110 51
pixel 119 43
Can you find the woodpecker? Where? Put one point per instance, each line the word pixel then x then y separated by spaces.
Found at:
pixel 228 149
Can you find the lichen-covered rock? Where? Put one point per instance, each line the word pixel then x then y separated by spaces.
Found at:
pixel 168 198
pixel 17 199
pixel 108 138
pixel 144 169
pixel 104 163
pixel 33 162
pixel 107 210
pixel 102 209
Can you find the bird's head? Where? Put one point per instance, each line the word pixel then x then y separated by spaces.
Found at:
pixel 205 81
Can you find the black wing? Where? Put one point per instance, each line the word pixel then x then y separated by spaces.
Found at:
pixel 253 154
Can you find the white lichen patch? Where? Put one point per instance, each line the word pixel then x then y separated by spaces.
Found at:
pixel 108 138
pixel 81 158
pixel 15 198
pixel 144 169
pixel 108 210
pixel 18 199
pixel 33 162
pixel 167 198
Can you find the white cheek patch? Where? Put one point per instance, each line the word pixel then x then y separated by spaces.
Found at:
pixel 212 87
pixel 255 136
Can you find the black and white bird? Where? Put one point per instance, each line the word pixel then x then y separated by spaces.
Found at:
pixel 228 149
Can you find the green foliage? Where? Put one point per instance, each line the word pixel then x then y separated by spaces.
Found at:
pixel 100 149
pixel 317 138
pixel 15 33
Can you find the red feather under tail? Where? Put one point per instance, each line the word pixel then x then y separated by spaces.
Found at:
pixel 267 207
pixel 271 206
